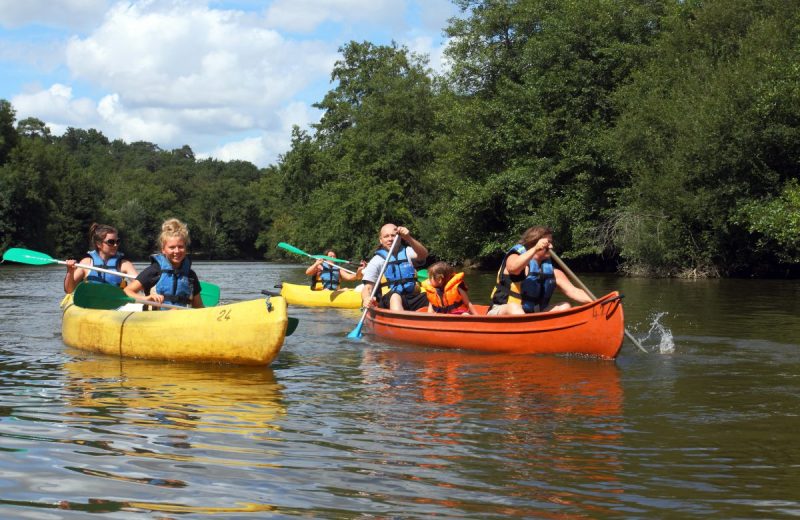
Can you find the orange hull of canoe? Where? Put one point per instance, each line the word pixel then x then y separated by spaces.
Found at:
pixel 594 329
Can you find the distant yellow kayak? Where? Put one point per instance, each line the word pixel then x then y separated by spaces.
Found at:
pixel 303 295
pixel 243 333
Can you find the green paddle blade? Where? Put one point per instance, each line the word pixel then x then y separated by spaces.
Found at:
pixel 100 296
pixel 290 328
pixel 209 293
pixel 422 275
pixel 292 249
pixel 26 256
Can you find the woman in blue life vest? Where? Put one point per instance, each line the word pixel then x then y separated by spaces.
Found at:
pixel 400 276
pixel 327 275
pixel 169 278
pixel 105 254
pixel 527 279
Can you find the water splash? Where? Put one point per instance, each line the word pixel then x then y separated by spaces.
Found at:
pixel 666 345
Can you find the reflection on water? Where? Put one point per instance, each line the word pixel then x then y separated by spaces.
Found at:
pixel 180 396
pixel 152 425
pixel 362 429
pixel 536 414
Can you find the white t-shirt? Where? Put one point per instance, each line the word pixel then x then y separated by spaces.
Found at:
pixel 373 268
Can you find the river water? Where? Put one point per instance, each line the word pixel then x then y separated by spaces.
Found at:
pixel 704 425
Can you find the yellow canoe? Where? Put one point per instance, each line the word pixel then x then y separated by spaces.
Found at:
pixel 303 295
pixel 243 333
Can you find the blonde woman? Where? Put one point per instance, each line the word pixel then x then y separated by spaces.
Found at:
pixel 169 278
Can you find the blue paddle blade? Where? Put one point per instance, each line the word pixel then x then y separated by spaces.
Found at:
pixel 356 332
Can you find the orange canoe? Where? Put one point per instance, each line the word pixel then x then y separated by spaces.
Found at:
pixel 594 329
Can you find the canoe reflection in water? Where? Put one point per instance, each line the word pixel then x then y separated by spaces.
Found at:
pixel 181 396
pixel 556 422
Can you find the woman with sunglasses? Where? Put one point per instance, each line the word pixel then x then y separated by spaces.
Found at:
pixel 105 255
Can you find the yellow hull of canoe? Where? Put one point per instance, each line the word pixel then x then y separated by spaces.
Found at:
pixel 303 295
pixel 244 333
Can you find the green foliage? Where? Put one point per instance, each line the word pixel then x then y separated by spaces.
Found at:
pixel 656 134
pixel 776 221
pixel 530 94
pixel 708 124
pixel 8 135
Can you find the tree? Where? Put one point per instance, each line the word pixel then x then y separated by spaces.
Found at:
pixel 8 135
pixel 528 95
pixel 710 123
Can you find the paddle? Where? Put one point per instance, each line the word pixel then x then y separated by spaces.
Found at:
pixel 356 332
pixel 580 284
pixel 105 296
pixel 291 326
pixel 329 259
pixel 209 292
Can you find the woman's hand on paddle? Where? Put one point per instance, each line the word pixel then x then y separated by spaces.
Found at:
pixel 544 244
pixel 154 296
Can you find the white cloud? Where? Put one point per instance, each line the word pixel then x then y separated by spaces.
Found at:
pixel 307 15
pixel 266 148
pixel 72 14
pixel 55 106
pixel 177 72
pixel 188 55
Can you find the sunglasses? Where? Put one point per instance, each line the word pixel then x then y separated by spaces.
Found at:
pixel 112 242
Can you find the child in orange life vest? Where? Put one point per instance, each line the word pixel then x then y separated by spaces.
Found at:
pixel 447 291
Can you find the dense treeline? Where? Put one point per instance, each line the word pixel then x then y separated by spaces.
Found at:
pixel 654 136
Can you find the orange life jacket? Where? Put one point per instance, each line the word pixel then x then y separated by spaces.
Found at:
pixel 447 300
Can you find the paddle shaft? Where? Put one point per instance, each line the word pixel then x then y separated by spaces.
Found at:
pixel 356 333
pixel 132 277
pixel 154 304
pixel 99 269
pixel 580 284
pixel 333 264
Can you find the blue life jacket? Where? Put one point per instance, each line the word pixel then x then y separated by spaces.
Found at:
pixel 533 291
pixel 328 278
pixel 538 286
pixel 112 265
pixel 174 284
pixel 400 275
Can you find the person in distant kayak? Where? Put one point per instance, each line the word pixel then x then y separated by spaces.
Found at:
pixel 447 291
pixel 327 275
pixel 527 279
pixel 105 255
pixel 169 277
pixel 400 276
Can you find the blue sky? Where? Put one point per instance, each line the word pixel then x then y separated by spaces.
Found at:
pixel 228 78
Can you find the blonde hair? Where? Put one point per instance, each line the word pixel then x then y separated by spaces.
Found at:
pixel 172 228
pixel 441 270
